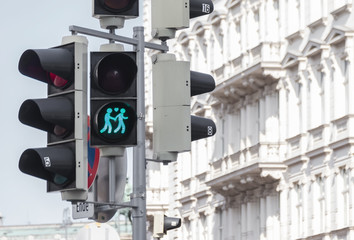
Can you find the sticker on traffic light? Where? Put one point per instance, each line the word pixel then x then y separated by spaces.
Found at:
pixel 115 121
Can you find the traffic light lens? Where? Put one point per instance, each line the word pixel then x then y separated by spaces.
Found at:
pixel 57 81
pixel 59 131
pixel 117 4
pixel 59 180
pixel 115 121
pixel 115 73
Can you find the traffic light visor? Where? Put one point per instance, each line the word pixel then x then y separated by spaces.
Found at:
pixel 53 66
pixel 53 115
pixel 200 8
pixel 115 73
pixel 54 164
pixel 201 83
pixel 202 127
pixel 171 223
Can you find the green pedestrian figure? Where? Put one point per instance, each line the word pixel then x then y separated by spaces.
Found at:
pixel 107 121
pixel 120 117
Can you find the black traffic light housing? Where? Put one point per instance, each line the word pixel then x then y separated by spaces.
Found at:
pixel 63 115
pixel 113 99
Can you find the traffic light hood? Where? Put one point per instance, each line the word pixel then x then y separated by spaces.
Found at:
pixel 53 115
pixel 54 66
pixel 201 83
pixel 54 164
pixel 200 7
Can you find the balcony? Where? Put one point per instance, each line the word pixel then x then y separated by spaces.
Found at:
pixel 248 72
pixel 247 169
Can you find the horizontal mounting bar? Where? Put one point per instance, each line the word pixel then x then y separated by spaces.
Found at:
pixel 116 205
pixel 76 29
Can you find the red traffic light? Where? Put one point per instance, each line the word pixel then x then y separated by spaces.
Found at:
pixel 54 66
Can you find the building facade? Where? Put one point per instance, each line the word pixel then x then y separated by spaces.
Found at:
pixel 281 163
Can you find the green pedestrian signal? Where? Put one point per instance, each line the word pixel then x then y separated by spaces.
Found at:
pixel 115 121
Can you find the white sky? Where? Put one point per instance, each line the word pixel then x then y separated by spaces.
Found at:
pixel 33 24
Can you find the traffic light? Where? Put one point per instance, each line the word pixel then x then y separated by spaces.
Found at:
pixel 163 223
pixel 168 16
pixel 63 115
pixel 173 86
pixel 113 99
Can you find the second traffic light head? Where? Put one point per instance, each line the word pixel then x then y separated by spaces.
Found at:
pixel 113 98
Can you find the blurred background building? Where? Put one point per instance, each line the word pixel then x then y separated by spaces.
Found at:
pixel 281 163
pixel 68 230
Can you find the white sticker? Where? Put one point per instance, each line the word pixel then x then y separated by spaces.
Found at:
pixel 205 8
pixel 82 210
pixel 47 162
pixel 210 131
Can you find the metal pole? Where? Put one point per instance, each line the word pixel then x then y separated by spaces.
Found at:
pixel 139 172
pixel 112 179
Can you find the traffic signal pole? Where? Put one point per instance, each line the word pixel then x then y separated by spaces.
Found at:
pixel 138 196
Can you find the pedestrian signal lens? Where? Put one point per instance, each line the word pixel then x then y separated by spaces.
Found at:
pixel 115 73
pixel 115 121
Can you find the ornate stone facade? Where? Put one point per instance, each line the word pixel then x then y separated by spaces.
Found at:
pixel 281 163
